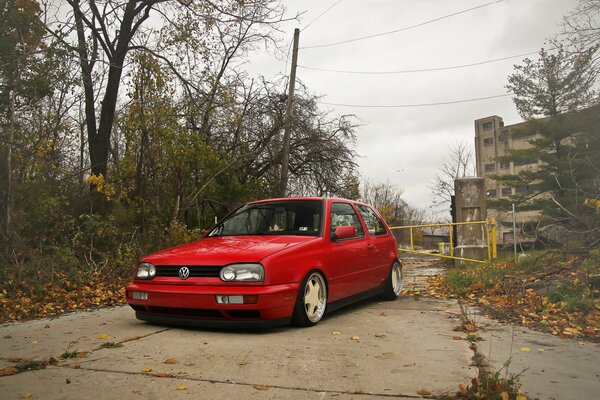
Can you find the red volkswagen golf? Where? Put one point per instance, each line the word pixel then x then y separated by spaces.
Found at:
pixel 271 262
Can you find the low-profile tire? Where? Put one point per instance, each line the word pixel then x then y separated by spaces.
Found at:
pixel 311 301
pixel 393 284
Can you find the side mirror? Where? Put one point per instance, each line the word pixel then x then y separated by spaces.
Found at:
pixel 343 232
pixel 204 233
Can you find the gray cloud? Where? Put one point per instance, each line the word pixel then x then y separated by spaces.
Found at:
pixel 405 145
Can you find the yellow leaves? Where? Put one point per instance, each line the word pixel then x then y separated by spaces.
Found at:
pixel 170 361
pixel 104 336
pixel 146 370
pixel 423 392
pixel 594 203
pixel 355 338
pixel 25 395
pixel 525 349
pixel 101 186
pixel 335 333
pixel 521 396
pixel 181 387
pixel 261 387
pixel 504 395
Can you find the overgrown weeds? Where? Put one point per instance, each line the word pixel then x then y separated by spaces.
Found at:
pixel 549 291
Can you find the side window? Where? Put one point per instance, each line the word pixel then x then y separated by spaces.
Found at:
pixel 342 214
pixel 374 224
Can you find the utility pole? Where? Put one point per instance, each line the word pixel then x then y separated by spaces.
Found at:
pixel 287 133
pixel 514 221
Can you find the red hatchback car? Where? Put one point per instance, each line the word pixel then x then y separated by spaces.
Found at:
pixel 271 262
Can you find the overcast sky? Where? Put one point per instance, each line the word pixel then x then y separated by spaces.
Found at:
pixel 405 145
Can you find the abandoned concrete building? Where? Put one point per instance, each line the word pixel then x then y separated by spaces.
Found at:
pixel 493 140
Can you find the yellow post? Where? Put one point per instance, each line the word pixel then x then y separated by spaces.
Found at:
pixel 494 239
pixel 412 246
pixel 487 239
pixel 451 240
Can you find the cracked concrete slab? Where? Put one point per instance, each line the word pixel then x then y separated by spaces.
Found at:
pixel 377 349
pixel 552 368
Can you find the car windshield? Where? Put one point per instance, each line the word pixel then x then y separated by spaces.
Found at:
pixel 274 218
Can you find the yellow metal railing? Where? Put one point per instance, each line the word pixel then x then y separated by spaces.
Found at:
pixel 489 234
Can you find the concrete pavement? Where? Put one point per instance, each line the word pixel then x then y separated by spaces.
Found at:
pixel 369 350
pixel 550 368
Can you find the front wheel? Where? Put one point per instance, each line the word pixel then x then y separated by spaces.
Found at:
pixel 394 282
pixel 312 300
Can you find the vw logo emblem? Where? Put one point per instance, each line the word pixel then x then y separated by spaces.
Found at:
pixel 184 272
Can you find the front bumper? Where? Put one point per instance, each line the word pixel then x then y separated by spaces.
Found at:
pixel 197 305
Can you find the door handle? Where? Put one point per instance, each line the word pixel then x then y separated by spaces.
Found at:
pixel 370 246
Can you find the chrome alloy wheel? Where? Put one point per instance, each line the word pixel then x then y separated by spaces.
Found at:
pixel 397 279
pixel 315 297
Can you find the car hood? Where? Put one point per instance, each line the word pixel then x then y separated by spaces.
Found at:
pixel 225 250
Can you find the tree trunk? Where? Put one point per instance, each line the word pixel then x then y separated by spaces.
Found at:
pixel 9 186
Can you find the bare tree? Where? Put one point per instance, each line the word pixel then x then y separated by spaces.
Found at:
pixel 581 28
pixel 387 198
pixel 103 34
pixel 457 164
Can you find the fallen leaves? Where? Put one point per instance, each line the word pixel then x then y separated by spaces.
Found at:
pixel 104 336
pixel 163 374
pixel 181 387
pixel 355 338
pixel 423 392
pixel 554 297
pixel 525 349
pixel 63 293
pixel 170 361
pixel 25 395
pixel 8 371
pixel 261 387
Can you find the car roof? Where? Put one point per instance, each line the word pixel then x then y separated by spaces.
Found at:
pixel 329 199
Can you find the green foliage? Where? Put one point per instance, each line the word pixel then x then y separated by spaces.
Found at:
pixel 556 83
pixel 180 154
pixel 459 281
pixel 575 297
pixel 558 174
pixel 471 277
pixel 69 354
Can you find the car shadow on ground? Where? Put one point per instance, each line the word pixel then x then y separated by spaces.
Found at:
pixel 330 316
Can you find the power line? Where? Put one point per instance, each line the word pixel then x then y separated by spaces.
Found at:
pixel 407 71
pixel 320 15
pixel 414 105
pixel 402 29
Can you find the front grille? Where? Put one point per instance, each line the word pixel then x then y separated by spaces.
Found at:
pixel 196 271
pixel 186 312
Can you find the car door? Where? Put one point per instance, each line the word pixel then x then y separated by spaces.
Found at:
pixel 381 245
pixel 345 258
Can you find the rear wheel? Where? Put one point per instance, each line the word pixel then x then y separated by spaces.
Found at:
pixel 394 282
pixel 312 300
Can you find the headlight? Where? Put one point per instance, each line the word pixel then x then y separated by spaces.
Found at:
pixel 242 273
pixel 145 271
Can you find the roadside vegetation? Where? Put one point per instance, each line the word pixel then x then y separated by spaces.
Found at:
pixel 551 291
